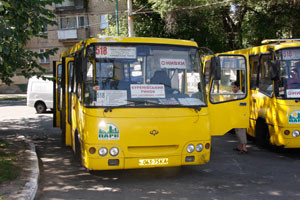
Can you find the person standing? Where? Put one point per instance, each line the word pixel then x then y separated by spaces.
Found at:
pixel 240 132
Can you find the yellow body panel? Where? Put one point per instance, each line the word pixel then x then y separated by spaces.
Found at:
pixel 176 128
pixel 228 115
pixel 276 112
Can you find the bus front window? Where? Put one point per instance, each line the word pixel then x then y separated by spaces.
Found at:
pixel 145 75
pixel 289 82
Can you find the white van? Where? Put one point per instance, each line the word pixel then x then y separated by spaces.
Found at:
pixel 40 94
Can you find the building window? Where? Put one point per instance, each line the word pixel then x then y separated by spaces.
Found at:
pixel 44 60
pixel 82 21
pixel 73 22
pixel 66 3
pixel 44 28
pixel 103 21
pixel 70 4
pixel 68 22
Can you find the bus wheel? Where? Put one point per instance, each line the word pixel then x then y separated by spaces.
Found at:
pixel 262 133
pixel 40 107
pixel 77 153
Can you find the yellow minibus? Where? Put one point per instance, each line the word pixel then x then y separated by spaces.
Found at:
pixel 274 92
pixel 140 103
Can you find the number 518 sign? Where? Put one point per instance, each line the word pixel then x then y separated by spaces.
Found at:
pixel 115 52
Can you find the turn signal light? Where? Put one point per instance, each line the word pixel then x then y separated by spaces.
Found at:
pixel 207 145
pixel 286 132
pixel 92 150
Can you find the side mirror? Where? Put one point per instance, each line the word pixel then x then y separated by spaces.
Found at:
pixel 274 69
pixel 215 68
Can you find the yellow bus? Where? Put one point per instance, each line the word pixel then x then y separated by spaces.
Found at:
pixel 274 92
pixel 140 103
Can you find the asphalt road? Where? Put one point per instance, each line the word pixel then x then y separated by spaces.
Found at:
pixel 261 174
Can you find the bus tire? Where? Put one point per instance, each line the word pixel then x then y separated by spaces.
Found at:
pixel 40 107
pixel 77 153
pixel 262 136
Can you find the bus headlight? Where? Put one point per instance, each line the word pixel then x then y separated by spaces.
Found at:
pixel 102 151
pixel 114 151
pixel 190 148
pixel 199 147
pixel 296 133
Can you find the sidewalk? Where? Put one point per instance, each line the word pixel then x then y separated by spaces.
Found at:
pixel 25 186
pixel 2 96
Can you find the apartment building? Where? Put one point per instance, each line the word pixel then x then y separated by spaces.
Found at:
pixel 77 20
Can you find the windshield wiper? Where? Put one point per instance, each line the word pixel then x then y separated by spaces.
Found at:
pixel 110 108
pixel 142 102
pixel 197 108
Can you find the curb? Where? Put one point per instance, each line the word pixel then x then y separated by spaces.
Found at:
pixel 30 188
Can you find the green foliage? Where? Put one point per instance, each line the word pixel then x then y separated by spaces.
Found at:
pixel 148 23
pixel 112 27
pixel 218 24
pixel 19 22
pixel 271 19
pixel 8 171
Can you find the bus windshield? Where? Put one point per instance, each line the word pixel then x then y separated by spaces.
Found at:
pixel 289 83
pixel 135 75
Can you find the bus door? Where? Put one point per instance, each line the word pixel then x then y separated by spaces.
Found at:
pixel 57 90
pixel 67 73
pixel 228 100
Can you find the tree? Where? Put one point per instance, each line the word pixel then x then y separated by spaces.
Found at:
pixel 271 19
pixel 221 25
pixel 19 22
pixel 123 26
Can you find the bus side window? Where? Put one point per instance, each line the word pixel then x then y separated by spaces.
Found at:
pixel 265 82
pixel 254 65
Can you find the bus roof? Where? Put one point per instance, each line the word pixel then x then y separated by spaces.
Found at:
pixel 278 41
pixel 115 39
pixel 267 44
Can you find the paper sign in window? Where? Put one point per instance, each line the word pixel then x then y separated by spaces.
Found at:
pixel 293 93
pixel 190 101
pixel 147 91
pixel 289 54
pixel 172 63
pixel 111 97
pixel 115 52
pixel 192 81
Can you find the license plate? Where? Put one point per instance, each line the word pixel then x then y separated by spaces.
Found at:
pixel 155 161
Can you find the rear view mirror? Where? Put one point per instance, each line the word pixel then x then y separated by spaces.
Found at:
pixel 274 69
pixel 215 68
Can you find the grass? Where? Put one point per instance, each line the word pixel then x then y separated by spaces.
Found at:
pixel 13 99
pixel 8 170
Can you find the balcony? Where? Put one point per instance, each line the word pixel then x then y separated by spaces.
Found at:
pixel 70 5
pixel 67 34
pixel 72 35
